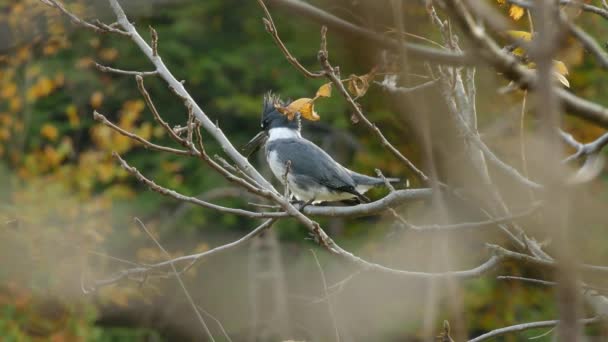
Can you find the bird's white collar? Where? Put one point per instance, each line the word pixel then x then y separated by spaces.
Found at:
pixel 283 133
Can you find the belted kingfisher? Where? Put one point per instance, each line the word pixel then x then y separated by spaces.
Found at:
pixel 313 175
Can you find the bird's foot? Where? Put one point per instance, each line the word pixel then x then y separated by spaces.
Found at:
pixel 301 204
pixel 351 201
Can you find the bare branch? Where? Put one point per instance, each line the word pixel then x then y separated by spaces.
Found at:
pixel 173 194
pixel 104 68
pixel 391 88
pixel 331 75
pixel 588 42
pixel 528 326
pixel 152 107
pixel 423 52
pixel 271 28
pixel 366 209
pixel 83 23
pixel 515 71
pixel 551 283
pixel 541 262
pixel 508 169
pixel 588 149
pixel 146 144
pixel 577 4
pixel 178 87
pixel 471 225
pixel 192 259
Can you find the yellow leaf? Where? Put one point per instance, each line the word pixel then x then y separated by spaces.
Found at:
pixel 516 12
pixel 9 90
pixel 45 86
pixel 158 131
pixel 72 114
pixel 120 143
pixel 23 53
pixel 84 63
pixel 49 131
pixel 105 171
pixel 559 72
pixel 560 67
pixel 15 104
pixel 518 51
pixel 5 119
pixel 5 134
pixel 324 90
pixel 50 49
pixel 145 131
pixel 96 99
pixel 108 54
pixel 32 71
pixel 562 79
pixel 130 112
pixel 66 147
pixel 52 156
pixel 523 35
pixel 304 106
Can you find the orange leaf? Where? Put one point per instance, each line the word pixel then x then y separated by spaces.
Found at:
pixel 304 106
pixel 358 85
pixel 324 90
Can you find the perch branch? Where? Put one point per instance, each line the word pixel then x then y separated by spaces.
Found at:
pixel 527 326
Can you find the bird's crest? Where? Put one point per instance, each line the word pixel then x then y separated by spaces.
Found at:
pixel 271 101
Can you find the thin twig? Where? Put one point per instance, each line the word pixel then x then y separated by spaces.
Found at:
pixel 81 22
pixel 330 307
pixel 180 90
pixel 271 28
pixel 155 114
pixel 498 250
pixel 550 283
pixel 154 41
pixel 470 225
pixel 178 277
pixel 174 194
pixel 406 90
pixel 331 75
pixel 217 321
pixel 101 118
pixel 527 326
pixel 587 149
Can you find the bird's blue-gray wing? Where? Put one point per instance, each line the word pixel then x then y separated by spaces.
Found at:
pixel 311 166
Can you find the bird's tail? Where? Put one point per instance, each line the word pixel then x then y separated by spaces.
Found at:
pixel 372 181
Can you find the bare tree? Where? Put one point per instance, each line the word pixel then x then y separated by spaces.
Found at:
pixel 518 202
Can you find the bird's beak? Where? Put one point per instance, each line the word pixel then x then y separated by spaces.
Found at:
pixel 254 144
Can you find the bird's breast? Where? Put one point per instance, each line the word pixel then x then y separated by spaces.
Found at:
pixel 276 164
